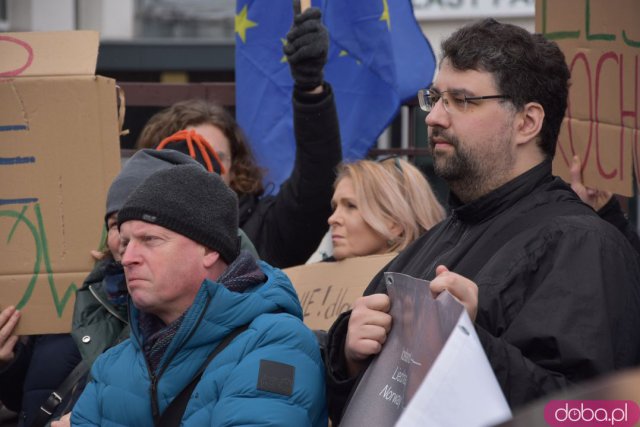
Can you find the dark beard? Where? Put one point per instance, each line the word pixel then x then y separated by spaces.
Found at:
pixel 453 168
pixel 460 170
pixel 475 167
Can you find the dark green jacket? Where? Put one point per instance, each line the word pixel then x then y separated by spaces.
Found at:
pixel 98 324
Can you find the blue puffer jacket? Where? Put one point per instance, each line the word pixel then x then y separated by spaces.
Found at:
pixel 227 394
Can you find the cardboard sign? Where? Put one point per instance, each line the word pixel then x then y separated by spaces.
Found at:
pixel 59 152
pixel 327 289
pixel 601 42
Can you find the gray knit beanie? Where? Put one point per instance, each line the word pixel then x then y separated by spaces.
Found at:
pixel 138 168
pixel 190 201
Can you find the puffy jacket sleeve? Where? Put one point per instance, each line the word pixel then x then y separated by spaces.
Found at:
pixel 87 411
pixel 292 223
pixel 249 395
pixel 566 310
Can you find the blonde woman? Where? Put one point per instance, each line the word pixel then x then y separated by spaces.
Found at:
pixel 380 207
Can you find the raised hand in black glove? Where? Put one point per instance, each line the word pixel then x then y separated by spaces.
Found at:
pixel 306 49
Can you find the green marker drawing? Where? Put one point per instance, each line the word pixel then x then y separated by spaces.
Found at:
pixel 42 253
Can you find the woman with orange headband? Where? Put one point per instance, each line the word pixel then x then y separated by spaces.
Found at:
pixel 285 228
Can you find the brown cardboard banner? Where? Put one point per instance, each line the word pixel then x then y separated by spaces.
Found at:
pixel 601 42
pixel 60 53
pixel 59 151
pixel 327 289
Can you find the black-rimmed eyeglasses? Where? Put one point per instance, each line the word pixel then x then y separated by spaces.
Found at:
pixel 453 101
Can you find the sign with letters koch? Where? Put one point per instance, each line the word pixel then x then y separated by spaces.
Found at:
pixel 601 42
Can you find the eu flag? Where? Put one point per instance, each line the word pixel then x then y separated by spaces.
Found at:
pixel 378 57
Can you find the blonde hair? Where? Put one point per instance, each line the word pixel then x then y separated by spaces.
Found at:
pixel 393 191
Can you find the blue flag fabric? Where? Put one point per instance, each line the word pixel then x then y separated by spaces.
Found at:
pixel 378 57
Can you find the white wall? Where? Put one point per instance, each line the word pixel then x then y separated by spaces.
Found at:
pixel 41 15
pixel 112 18
pixel 115 18
pixel 437 31
pixel 440 18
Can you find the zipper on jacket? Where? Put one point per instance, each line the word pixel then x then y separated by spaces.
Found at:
pixel 155 410
pixel 153 390
pixel 107 306
pixel 155 379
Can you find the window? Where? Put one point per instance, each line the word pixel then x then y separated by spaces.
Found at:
pixel 4 20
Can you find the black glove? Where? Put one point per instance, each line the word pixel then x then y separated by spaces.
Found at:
pixel 307 48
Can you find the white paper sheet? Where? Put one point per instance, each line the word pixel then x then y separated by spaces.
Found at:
pixel 460 389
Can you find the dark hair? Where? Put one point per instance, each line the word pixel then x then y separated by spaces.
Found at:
pixel 245 175
pixel 526 68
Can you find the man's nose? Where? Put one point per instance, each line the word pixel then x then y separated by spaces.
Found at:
pixel 129 255
pixel 438 116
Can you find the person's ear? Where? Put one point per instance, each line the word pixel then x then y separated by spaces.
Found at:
pixel 396 229
pixel 528 123
pixel 210 257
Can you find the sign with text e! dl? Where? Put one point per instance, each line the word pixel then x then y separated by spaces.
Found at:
pixel 601 43
pixel 59 151
pixel 327 289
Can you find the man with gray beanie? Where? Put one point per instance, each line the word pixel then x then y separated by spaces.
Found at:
pixel 212 329
pixel 42 389
pixel 141 165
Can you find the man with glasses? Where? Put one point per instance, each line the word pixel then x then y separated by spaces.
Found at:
pixel 553 289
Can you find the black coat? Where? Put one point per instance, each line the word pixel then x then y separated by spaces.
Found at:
pixel 612 212
pixel 42 362
pixel 287 228
pixel 559 298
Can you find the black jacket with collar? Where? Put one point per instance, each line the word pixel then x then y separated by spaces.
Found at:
pixel 559 300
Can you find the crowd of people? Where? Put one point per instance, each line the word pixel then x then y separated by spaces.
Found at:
pixel 187 317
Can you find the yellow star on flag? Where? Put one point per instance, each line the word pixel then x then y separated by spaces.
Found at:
pixel 284 57
pixel 385 14
pixel 243 23
pixel 345 53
